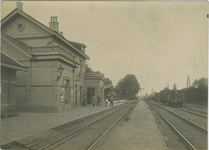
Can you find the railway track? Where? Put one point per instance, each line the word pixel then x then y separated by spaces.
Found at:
pixel 191 115
pixel 83 134
pixel 191 111
pixel 201 112
pixel 92 133
pixel 194 135
pixel 194 112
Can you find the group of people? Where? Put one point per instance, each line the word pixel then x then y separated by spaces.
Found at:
pixel 98 101
pixel 111 101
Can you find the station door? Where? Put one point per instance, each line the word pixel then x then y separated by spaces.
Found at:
pixel 90 94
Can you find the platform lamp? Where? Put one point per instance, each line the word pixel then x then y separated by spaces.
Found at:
pixel 60 70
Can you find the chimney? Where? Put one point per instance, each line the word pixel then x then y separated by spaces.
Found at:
pixel 19 5
pixel 54 25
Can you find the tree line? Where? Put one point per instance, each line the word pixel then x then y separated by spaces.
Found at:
pixel 197 93
pixel 126 88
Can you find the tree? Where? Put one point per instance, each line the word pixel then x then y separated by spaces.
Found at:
pixel 88 69
pixel 175 87
pixel 107 90
pixel 203 82
pixel 107 82
pixel 129 86
pixel 166 88
pixel 200 82
pixel 107 86
pixel 196 83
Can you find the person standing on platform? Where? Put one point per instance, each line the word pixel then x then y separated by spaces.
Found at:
pixel 99 99
pixel 106 101
pixel 83 101
pixel 111 101
pixel 94 100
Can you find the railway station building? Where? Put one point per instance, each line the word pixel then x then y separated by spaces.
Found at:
pixel 55 79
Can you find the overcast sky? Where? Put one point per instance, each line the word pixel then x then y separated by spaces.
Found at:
pixel 159 42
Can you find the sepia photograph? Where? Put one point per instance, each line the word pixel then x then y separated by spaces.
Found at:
pixel 104 75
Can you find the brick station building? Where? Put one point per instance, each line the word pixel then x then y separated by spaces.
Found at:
pixel 55 80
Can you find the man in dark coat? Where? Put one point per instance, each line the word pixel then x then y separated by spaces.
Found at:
pixel 111 101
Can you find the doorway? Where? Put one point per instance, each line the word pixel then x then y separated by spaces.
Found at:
pixel 67 90
pixel 90 94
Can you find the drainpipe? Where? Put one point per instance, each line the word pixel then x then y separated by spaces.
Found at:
pixel 73 88
pixel 10 93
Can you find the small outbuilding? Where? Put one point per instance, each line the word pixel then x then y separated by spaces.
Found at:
pixel 113 94
pixel 9 67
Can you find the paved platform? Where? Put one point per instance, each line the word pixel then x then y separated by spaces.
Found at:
pixel 28 124
pixel 140 132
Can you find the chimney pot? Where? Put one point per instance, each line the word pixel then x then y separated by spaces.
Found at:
pixel 19 5
pixel 54 25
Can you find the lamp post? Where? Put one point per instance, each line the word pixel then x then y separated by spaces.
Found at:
pixel 60 71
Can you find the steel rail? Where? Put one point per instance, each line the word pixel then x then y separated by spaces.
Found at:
pixel 183 118
pixel 192 112
pixel 109 129
pixel 77 130
pixel 197 111
pixel 176 130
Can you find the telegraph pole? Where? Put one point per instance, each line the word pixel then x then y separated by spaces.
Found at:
pixel 188 85
pixel 188 82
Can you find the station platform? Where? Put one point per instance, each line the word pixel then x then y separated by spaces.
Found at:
pixel 140 132
pixel 27 124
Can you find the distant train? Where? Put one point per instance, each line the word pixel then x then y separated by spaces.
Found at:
pixel 170 97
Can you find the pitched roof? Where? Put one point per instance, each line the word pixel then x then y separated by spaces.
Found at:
pixel 70 43
pixel 16 41
pixel 112 94
pixel 10 62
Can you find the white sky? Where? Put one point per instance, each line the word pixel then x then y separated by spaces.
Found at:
pixel 159 42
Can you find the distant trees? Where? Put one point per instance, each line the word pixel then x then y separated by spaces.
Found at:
pixel 108 87
pixel 198 92
pixel 88 69
pixel 174 86
pixel 129 86
pixel 107 82
pixel 166 88
pixel 200 82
